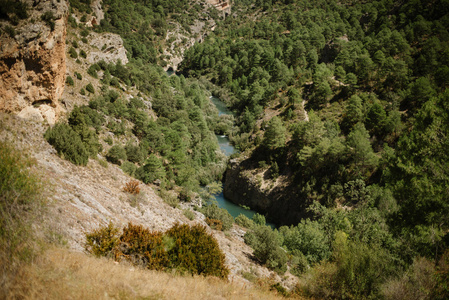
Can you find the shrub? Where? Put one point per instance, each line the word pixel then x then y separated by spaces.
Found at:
pixel 10 31
pixel 21 200
pixel 189 214
pixel 357 271
pixel 307 237
pixel 115 82
pixel 132 187
pixel 116 154
pixel 129 168
pixel 298 263
pixel 195 251
pixel 90 88
pixel 72 21
pixel 169 198
pixel 20 197
pixel 267 247
pixel 69 81
pixel 214 223
pixel 183 248
pixel 142 247
pixel 84 33
pixel 67 143
pixel 416 283
pixel 83 92
pixel 49 19
pixel 244 221
pixel 79 121
pixel 73 53
pixel 78 76
pixel 83 53
pixel 134 153
pixel 151 170
pixel 214 212
pixel 441 290
pixel 108 140
pixel 92 70
pixel 102 241
pixel 258 219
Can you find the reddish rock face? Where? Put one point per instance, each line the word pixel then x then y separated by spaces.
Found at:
pixel 33 65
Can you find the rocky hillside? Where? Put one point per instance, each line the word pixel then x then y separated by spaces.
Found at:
pixel 84 198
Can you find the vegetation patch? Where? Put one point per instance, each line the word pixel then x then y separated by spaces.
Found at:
pixel 186 249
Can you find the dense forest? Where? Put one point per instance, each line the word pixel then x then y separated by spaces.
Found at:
pixel 347 101
pixel 371 162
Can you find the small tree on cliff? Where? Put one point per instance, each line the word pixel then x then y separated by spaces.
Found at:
pixel 275 135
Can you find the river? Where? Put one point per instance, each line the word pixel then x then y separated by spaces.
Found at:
pixel 227 149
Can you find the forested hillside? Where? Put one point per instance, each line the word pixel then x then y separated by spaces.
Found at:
pixel 344 105
pixel 341 122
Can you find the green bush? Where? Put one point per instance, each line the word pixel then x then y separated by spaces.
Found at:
pixel 244 221
pixel 309 238
pixel 67 143
pixel 357 271
pixel 189 214
pixel 151 170
pixel 116 155
pixel 83 53
pixel 267 247
pixel 298 263
pixel 259 219
pixel 72 21
pixel 129 168
pixel 93 69
pixel 69 81
pixel 73 53
pixel 90 88
pixel 84 33
pixel 134 153
pixel 78 76
pixel 214 212
pixel 115 82
pixel 79 121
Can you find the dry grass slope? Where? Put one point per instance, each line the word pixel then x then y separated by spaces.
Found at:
pixel 63 274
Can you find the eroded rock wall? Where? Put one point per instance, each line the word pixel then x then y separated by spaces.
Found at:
pixel 282 204
pixel 33 61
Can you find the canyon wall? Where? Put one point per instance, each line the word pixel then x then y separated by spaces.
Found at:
pixel 281 203
pixel 33 61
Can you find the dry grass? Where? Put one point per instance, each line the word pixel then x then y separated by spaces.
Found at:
pixel 62 274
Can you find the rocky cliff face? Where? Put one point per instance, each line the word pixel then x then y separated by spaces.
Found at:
pixel 33 61
pixel 278 200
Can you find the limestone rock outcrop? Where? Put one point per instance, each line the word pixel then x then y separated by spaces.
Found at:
pixel 108 47
pixel 33 60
